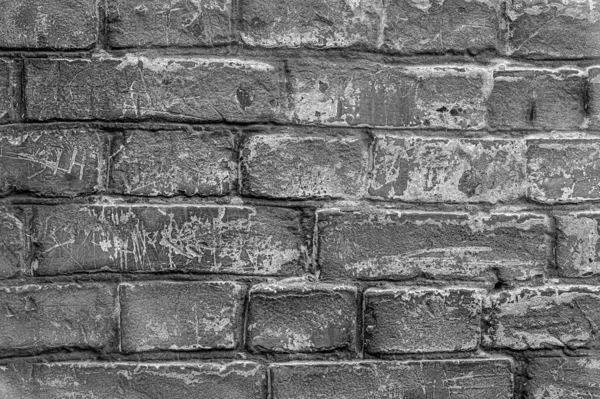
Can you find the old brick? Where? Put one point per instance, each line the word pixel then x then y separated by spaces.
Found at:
pixel 145 23
pixel 562 171
pixel 312 23
pixel 307 166
pixel 420 321
pixel 205 239
pixel 172 162
pixel 553 29
pixel 180 315
pixel 8 83
pixel 594 97
pixel 50 316
pixel 364 93
pixel 537 100
pixel 577 244
pixel 301 317
pixel 182 89
pixel 14 249
pixel 402 245
pixel 448 170
pixel 548 317
pixel 564 378
pixel 239 380
pixel 439 26
pixel 468 379
pixel 52 161
pixel 49 24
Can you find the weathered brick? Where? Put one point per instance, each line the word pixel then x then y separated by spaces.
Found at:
pixel 398 245
pixel 548 317
pixel 180 315
pixel 52 161
pixel 564 378
pixel 439 26
pixel 194 162
pixel 312 23
pixel 49 24
pixel 448 170
pixel 363 93
pixel 143 23
pixel 537 100
pixel 205 239
pixel 182 89
pixel 552 29
pixel 465 379
pixel 594 97
pixel 577 244
pixel 238 379
pixel 307 166
pixel 563 171
pixel 420 321
pixel 14 248
pixel 8 84
pixel 301 317
pixel 51 316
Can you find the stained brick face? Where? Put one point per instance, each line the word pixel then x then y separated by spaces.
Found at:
pixel 299 199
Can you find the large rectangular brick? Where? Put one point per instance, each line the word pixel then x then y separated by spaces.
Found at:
pixel 537 99
pixel 8 90
pixel 305 166
pixel 180 88
pixel 143 23
pixel 53 316
pixel 14 243
pixel 546 317
pixel 175 380
pixel 403 320
pixel 205 239
pixel 552 29
pixel 167 163
pixel 452 379
pixel 448 170
pixel 180 315
pixel 563 171
pixel 577 244
pixel 390 244
pixel 363 93
pixel 301 317
pixel 50 161
pixel 564 378
pixel 49 24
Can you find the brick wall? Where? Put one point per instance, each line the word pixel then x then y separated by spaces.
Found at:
pixel 299 199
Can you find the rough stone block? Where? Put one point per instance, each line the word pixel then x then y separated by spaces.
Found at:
pixel 577 246
pixel 180 315
pixel 594 98
pixel 421 320
pixel 305 166
pixel 389 244
pixel 144 23
pixel 54 316
pixel 563 171
pixel 168 163
pixel 8 84
pixel 52 161
pixel 547 317
pixel 49 24
pixel 353 93
pixel 465 379
pixel 537 100
pixel 301 317
pixel 14 248
pixel 176 380
pixel 564 378
pixel 204 239
pixel 181 88
pixel 448 170
pixel 552 29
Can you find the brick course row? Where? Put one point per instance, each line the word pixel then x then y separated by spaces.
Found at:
pixel 514 28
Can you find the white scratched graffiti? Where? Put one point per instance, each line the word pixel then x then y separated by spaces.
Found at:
pixel 51 158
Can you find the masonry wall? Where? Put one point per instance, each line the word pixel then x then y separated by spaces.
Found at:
pixel 299 199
